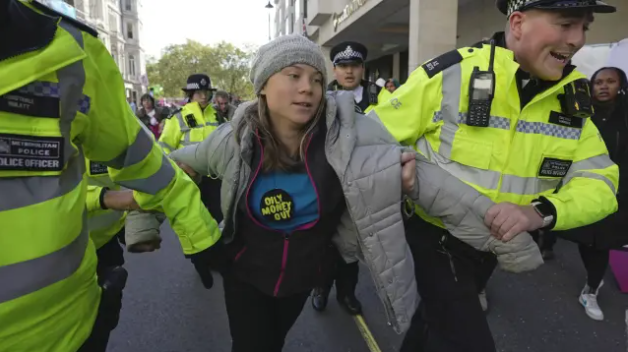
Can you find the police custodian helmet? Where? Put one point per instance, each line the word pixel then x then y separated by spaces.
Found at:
pixel 348 52
pixel 198 81
pixel 507 7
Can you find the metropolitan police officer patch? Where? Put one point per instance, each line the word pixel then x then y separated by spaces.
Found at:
pixel 551 167
pixel 97 168
pixel 31 153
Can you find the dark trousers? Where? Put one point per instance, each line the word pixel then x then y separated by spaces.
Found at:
pixel 345 276
pixel 595 259
pixel 210 195
pixel 110 275
pixel 259 322
pixel 449 275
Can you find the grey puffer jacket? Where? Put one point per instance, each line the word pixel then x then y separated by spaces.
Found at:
pixel 366 159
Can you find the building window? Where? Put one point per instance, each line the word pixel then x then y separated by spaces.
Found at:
pixel 127 5
pixel 113 24
pixel 129 30
pixel 132 65
pixel 291 22
pixel 69 2
pixel 304 8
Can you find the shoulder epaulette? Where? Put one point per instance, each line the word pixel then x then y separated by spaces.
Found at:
pixel 174 113
pixel 441 63
pixel 76 23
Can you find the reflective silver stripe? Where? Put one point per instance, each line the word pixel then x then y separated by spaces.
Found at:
pixel 212 124
pixel 594 163
pixel 587 174
pixel 450 107
pixel 30 276
pixel 581 169
pixel 154 183
pixel 105 220
pixel 494 121
pixel 527 185
pixel 184 129
pixel 483 178
pixel 185 144
pixel 21 192
pixel 135 153
pixel 548 129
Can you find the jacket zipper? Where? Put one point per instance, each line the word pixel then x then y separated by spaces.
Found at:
pixel 286 235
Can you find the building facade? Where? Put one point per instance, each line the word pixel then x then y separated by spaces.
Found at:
pixel 119 27
pixel 402 34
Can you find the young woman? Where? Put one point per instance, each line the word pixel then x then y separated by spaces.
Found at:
pixel 301 171
pixel 150 115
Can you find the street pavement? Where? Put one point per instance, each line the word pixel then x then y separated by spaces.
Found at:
pixel 166 309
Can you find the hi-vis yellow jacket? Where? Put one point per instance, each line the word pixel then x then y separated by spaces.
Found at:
pixel 523 155
pixel 103 224
pixel 62 100
pixel 178 132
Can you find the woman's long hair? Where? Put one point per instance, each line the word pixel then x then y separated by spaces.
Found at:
pixel 621 101
pixel 276 156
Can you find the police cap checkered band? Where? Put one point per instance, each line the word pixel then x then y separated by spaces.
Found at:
pixel 198 82
pixel 507 7
pixel 348 55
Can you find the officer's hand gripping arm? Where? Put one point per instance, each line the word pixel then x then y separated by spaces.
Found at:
pixel 116 138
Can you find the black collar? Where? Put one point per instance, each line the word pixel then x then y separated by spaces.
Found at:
pixel 23 30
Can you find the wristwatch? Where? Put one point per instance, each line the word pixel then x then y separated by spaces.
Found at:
pixel 544 213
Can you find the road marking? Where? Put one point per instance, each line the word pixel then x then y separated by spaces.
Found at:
pixel 366 333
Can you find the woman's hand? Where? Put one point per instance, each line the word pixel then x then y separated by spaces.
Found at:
pixel 408 171
pixel 188 170
pixel 120 200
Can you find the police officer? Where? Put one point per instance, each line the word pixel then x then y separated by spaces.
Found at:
pixel 511 118
pixel 348 59
pixel 189 125
pixel 62 100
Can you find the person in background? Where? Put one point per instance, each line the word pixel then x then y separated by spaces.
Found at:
pixel 132 104
pixel 348 59
pixel 610 101
pixel 150 114
pixel 515 144
pixel 224 109
pixel 392 84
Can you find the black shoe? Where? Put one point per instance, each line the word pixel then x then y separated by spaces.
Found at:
pixel 350 304
pixel 319 299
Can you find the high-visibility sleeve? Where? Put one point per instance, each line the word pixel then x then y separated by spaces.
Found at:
pixel 115 137
pixel 171 135
pixel 93 198
pixel 402 112
pixel 588 192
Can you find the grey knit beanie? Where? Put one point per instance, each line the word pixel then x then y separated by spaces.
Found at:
pixel 282 52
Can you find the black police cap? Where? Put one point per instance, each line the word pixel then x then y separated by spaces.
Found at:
pixel 507 7
pixel 348 52
pixel 198 82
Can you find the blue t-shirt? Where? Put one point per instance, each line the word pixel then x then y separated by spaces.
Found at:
pixel 284 201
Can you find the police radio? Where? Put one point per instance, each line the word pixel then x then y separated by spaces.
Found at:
pixel 191 121
pixel 577 99
pixel 481 93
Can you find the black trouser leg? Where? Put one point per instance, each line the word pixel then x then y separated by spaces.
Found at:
pixel 111 254
pixel 596 262
pixel 210 195
pixel 449 318
pixel 113 282
pixel 346 279
pixel 259 322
